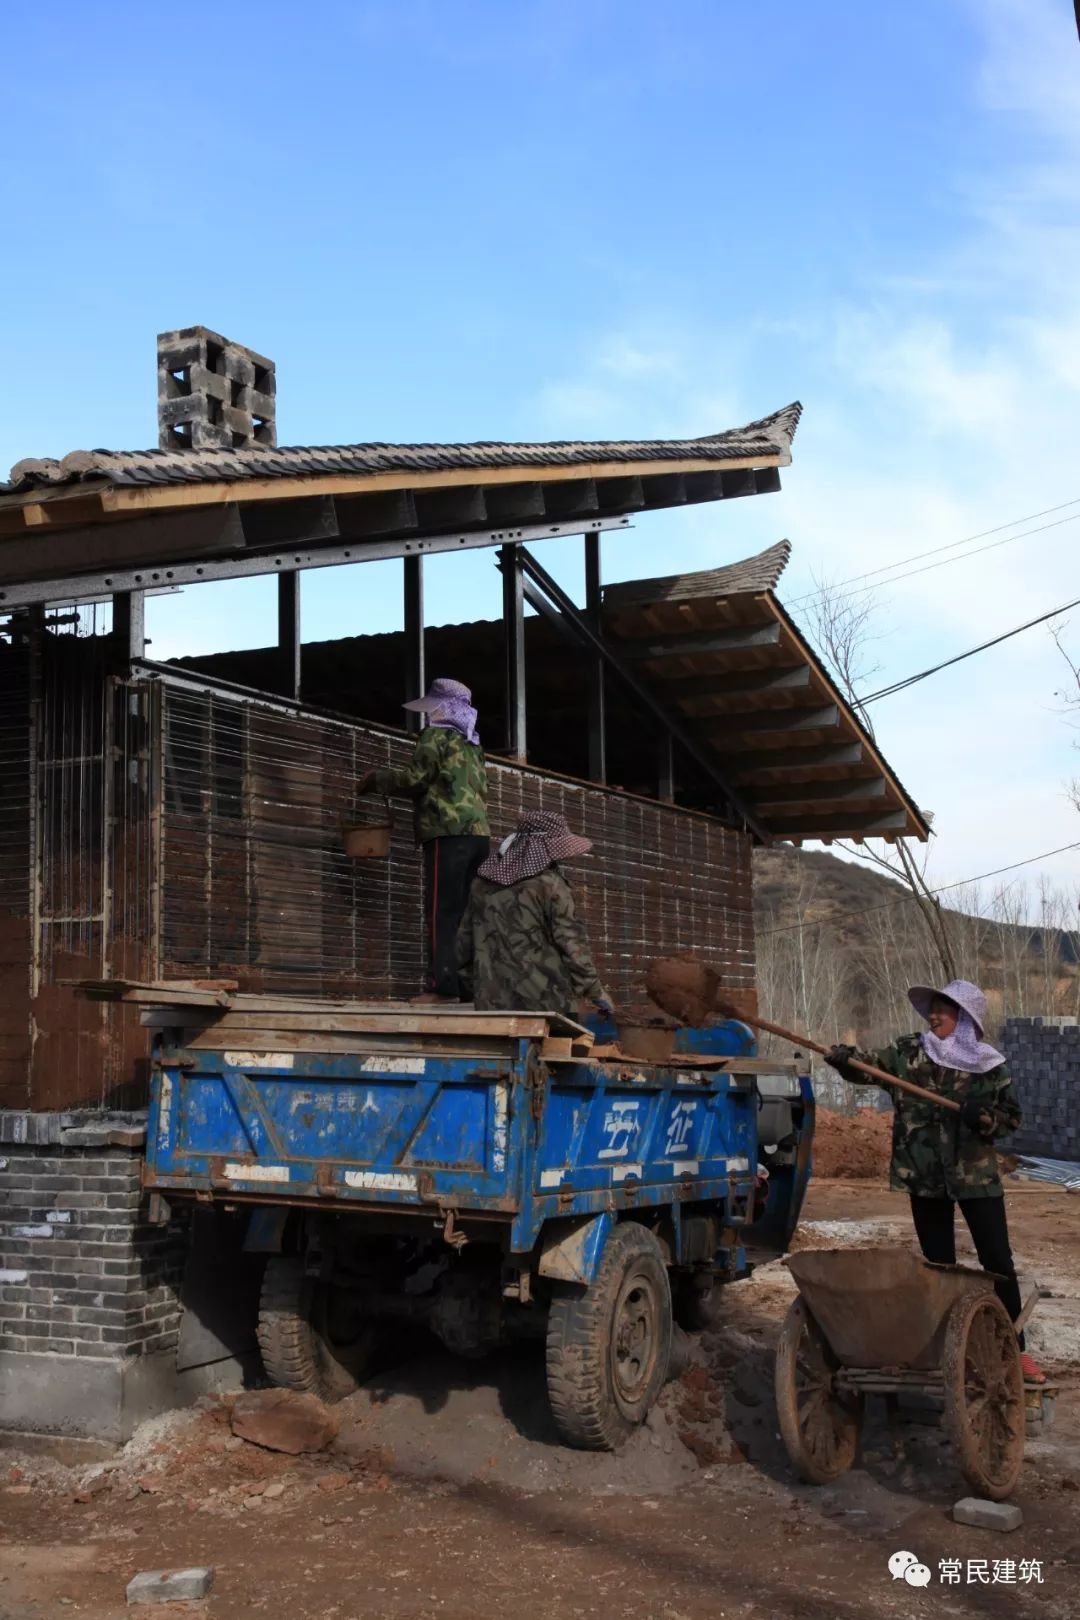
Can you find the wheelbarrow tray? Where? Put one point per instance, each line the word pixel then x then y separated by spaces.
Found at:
pixel 882 1307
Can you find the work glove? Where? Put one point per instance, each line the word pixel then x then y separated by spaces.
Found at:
pixel 604 1006
pixel 976 1116
pixel 838 1057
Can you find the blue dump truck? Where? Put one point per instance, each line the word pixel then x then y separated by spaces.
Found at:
pixel 485 1176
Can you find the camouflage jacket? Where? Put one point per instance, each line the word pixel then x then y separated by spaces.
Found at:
pixel 447 777
pixel 934 1154
pixel 521 947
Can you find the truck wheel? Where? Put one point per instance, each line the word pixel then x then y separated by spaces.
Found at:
pixel 608 1348
pixel 313 1336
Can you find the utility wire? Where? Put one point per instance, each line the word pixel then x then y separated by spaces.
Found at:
pixel 904 899
pixel 923 674
pixel 865 590
pixel 919 556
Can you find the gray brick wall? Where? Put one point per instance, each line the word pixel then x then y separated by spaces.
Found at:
pixel 82 1272
pixel 1044 1059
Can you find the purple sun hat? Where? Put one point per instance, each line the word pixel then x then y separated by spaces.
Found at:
pixel 965 995
pixel 448 705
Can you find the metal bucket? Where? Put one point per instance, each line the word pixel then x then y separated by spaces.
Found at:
pixel 368 840
pixel 882 1307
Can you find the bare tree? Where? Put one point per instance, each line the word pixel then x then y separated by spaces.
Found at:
pixel 842 626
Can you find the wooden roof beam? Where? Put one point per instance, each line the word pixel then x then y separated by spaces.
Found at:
pixel 274 523
pixel 822 757
pixel 872 824
pixel 664 489
pixel 389 511
pixel 725 726
pixel 458 508
pixel 620 494
pixel 739 683
pixel 705 641
pixel 842 792
pixel 42 554
pixel 515 503
pixel 573 497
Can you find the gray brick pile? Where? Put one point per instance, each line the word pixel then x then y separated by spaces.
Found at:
pixel 212 393
pixel 1044 1059
pixel 82 1272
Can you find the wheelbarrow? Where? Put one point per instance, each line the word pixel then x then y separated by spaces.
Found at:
pixel 887 1322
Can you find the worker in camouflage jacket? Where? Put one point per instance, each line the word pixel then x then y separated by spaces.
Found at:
pixel 446 778
pixel 941 1157
pixel 521 945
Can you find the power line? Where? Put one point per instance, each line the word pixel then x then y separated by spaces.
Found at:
pixel 923 674
pixel 865 590
pixel 903 899
pixel 919 556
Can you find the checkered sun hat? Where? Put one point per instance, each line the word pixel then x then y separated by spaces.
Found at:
pixel 540 839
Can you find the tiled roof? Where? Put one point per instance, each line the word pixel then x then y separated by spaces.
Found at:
pixel 770 438
pixel 748 577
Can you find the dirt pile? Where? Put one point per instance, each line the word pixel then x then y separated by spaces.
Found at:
pixel 684 987
pixel 852 1146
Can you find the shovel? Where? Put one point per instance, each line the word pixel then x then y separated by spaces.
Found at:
pixel 716 1002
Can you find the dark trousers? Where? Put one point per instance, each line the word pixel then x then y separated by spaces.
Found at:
pixel 449 868
pixel 935 1230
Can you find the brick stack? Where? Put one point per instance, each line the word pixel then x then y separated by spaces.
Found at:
pixel 213 394
pixel 1044 1059
pixel 86 1283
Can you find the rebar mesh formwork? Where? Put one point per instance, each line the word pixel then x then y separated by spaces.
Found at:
pixel 256 884
pixel 154 826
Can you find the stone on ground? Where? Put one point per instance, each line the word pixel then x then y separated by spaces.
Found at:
pixel 986 1515
pixel 284 1420
pixel 169 1585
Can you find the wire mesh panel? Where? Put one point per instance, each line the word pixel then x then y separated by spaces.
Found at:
pixel 15 865
pixel 256 885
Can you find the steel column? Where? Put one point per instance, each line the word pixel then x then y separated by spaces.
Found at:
pixel 516 739
pixel 415 685
pixel 289 633
pixel 665 749
pixel 597 726
pixel 129 624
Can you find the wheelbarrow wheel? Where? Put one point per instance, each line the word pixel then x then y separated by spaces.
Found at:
pixel 984 1394
pixel 313 1335
pixel 819 1425
pixel 608 1345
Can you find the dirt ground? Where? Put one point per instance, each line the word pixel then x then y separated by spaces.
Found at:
pixel 447 1496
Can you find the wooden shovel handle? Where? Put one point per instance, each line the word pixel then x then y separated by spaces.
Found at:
pixel 864 1068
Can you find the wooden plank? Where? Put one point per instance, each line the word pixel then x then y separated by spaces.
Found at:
pixel 156 541
pixel 238 1025
pixel 839 825
pixel 796 758
pixel 762 720
pixel 412 1046
pixel 738 683
pixel 843 792
pixel 703 641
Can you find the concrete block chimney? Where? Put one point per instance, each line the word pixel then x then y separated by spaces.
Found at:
pixel 213 394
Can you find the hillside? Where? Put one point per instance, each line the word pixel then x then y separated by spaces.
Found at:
pixel 838 944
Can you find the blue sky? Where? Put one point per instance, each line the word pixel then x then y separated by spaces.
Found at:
pixel 518 220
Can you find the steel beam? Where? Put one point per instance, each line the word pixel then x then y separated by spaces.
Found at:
pixel 516 740
pixel 597 720
pixel 414 638
pixel 559 603
pixel 104 582
pixel 665 759
pixel 288 605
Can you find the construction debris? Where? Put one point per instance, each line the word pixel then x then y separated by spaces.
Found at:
pixel 684 987
pixel 283 1420
pixel 170 1585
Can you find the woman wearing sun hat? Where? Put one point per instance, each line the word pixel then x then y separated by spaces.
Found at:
pixel 941 1158
pixel 447 781
pixel 521 945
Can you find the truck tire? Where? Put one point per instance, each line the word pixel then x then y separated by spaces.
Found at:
pixel 302 1337
pixel 608 1347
